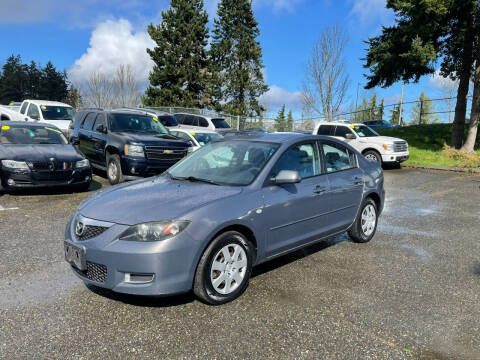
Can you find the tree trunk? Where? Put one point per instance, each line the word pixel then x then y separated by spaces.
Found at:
pixel 458 129
pixel 469 145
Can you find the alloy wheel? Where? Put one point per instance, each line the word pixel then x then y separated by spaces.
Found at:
pixel 228 269
pixel 368 220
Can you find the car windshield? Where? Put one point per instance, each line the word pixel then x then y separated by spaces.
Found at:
pixel 31 135
pixel 204 138
pixel 220 124
pixel 136 123
pixel 57 112
pixel 230 162
pixel 364 131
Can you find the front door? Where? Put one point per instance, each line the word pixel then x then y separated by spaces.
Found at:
pixel 296 213
pixel 99 140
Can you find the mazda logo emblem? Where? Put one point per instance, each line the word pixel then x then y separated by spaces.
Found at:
pixel 79 228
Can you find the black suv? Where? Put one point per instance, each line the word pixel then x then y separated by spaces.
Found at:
pixel 126 143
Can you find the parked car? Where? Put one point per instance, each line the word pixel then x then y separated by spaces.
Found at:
pixel 50 112
pixel 199 122
pixel 127 144
pixel 165 118
pixel 197 138
pixel 378 124
pixel 231 205
pixel 38 155
pixel 383 149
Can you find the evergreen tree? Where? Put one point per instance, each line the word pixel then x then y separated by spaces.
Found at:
pixel 280 120
pixel 380 111
pixel 53 84
pixel 422 112
pixel 73 98
pixel 395 115
pixel 236 58
pixel 290 121
pixel 34 81
pixel 424 33
pixel 179 76
pixel 13 82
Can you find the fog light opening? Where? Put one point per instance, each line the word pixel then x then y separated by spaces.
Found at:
pixel 11 182
pixel 87 178
pixel 135 278
pixel 132 170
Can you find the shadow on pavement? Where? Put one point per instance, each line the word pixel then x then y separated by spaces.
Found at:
pixel 476 269
pixel 54 190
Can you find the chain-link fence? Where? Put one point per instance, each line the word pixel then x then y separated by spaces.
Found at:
pixel 427 111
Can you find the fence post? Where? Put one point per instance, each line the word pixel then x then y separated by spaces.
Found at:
pixel 238 122
pixel 421 113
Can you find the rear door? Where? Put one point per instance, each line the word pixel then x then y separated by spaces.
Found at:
pixel 346 184
pixel 85 136
pixel 296 213
pixel 99 139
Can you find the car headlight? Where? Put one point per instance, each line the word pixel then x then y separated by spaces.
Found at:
pixel 17 165
pixel 154 231
pixel 82 163
pixel 387 147
pixel 134 150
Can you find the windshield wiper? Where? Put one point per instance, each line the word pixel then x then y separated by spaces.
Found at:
pixel 195 179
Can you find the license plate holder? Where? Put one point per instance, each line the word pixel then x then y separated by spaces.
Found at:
pixel 75 256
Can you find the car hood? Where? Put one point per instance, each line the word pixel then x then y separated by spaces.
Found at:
pixel 39 152
pixel 380 139
pixel 147 139
pixel 152 199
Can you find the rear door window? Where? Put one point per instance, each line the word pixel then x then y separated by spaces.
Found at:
pixel 220 124
pixel 326 130
pixel 33 111
pixel 24 108
pixel 202 122
pixel 88 122
pixel 337 157
pixel 179 118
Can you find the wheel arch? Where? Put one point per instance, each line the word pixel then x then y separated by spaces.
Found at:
pixel 371 149
pixel 109 149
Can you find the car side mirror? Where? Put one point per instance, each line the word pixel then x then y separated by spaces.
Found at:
pixel 102 129
pixel 287 177
pixel 349 136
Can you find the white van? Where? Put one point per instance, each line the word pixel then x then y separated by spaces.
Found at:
pixel 201 122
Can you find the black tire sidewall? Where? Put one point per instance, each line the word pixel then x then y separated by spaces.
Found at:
pixel 376 154
pixel 221 241
pixel 363 237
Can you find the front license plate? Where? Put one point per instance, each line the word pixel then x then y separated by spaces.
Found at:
pixel 75 256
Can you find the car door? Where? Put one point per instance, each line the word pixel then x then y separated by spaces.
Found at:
pixel 85 136
pixel 33 113
pixel 344 131
pixel 295 214
pixel 346 184
pixel 99 139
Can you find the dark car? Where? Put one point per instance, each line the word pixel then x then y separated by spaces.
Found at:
pixel 38 155
pixel 378 124
pixel 128 144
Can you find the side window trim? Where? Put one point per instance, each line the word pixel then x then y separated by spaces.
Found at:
pixel 24 107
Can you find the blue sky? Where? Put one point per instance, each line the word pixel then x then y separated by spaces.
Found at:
pixel 98 35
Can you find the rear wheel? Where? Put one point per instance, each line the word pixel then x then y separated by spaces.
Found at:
pixel 114 169
pixel 365 225
pixel 224 269
pixel 373 155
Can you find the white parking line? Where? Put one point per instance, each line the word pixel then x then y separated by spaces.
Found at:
pixel 5 209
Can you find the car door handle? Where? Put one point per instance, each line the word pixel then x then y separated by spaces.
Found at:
pixel 357 180
pixel 319 189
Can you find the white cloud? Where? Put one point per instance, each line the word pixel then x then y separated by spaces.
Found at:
pixel 371 11
pixel 439 82
pixel 276 96
pixel 276 5
pixel 113 43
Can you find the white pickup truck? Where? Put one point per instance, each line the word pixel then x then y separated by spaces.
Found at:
pixel 51 112
pixel 384 149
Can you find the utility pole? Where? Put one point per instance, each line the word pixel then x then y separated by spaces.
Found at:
pixel 401 105
pixel 421 113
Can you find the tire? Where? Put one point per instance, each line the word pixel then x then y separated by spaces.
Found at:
pixel 361 231
pixel 114 169
pixel 373 155
pixel 227 273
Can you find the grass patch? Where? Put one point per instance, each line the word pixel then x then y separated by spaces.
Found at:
pixel 427 146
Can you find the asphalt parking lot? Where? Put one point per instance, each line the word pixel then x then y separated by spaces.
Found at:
pixel 413 292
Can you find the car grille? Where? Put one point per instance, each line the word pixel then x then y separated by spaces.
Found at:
pixel 90 231
pixel 400 146
pixel 164 153
pixel 49 166
pixel 95 272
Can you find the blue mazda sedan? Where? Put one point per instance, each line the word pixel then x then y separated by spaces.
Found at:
pixel 229 206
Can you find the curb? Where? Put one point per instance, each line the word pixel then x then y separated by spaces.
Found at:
pixel 443 168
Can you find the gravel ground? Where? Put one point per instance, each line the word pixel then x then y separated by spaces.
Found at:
pixel 411 293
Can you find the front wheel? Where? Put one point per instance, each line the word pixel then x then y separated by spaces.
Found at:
pixel 373 155
pixel 114 169
pixel 365 225
pixel 224 269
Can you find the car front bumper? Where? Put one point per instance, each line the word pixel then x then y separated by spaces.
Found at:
pixel 165 267
pixel 139 167
pixel 18 179
pixel 397 157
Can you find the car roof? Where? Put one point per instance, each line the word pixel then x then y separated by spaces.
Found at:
pixel 29 123
pixel 47 103
pixel 279 137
